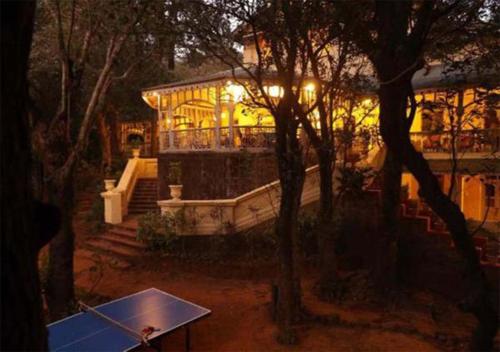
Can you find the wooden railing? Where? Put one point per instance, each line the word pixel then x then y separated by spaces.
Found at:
pixel 261 137
pixel 466 141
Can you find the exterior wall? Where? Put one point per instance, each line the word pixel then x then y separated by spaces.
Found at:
pixel 249 53
pixel 412 184
pixel 470 194
pixel 492 213
pixel 475 113
pixel 472 197
pixel 139 128
pixel 217 175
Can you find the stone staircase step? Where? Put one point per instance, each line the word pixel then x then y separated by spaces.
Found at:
pixel 142 204
pixel 143 211
pixel 119 240
pixel 129 224
pixel 144 197
pixel 115 249
pixel 152 204
pixel 143 193
pixel 139 210
pixel 129 234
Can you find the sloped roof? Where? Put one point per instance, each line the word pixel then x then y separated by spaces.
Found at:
pixel 439 76
pixel 238 73
pixel 434 76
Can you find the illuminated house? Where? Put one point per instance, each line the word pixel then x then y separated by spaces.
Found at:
pixel 224 150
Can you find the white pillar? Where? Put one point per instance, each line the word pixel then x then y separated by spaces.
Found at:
pixel 112 207
pixel 161 128
pixel 218 112
pixel 231 107
pixel 170 119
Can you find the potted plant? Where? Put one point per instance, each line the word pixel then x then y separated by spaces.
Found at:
pixel 136 147
pixel 174 178
pixel 109 184
pixel 109 181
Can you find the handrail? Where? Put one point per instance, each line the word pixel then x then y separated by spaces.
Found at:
pixel 472 130
pixel 116 200
pixel 127 182
pixel 467 140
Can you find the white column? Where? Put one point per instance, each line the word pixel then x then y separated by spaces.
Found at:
pixel 161 128
pixel 218 112
pixel 170 119
pixel 112 207
pixel 231 107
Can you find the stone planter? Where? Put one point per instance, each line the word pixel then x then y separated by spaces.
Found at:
pixel 175 191
pixel 109 184
pixel 136 152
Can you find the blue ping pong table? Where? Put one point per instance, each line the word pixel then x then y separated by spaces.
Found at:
pixel 118 325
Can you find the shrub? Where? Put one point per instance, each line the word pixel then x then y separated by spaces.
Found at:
pixel 158 231
pixel 352 180
pixel 308 234
pixel 95 214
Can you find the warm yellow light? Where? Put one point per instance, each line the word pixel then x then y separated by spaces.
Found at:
pixel 310 87
pixel 275 91
pixel 235 91
pixel 366 102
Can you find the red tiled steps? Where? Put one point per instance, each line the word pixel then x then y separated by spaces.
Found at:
pixel 122 251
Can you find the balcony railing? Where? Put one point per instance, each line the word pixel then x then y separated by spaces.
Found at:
pixel 259 137
pixel 263 137
pixel 466 141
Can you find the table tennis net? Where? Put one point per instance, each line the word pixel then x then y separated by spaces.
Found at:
pixel 140 337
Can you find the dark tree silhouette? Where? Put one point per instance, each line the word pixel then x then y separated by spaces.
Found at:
pixel 396 36
pixel 26 225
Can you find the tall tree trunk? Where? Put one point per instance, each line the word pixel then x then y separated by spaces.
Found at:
pixel 60 279
pixel 392 99
pixel 105 137
pixel 23 327
pixel 326 229
pixel 291 173
pixel 114 130
pixel 386 276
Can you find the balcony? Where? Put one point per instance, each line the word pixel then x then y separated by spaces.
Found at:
pixel 486 141
pixel 223 138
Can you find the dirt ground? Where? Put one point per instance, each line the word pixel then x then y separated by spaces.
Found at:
pixel 239 294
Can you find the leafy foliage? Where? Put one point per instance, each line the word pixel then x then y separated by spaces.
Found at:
pixel 352 180
pixel 175 172
pixel 158 231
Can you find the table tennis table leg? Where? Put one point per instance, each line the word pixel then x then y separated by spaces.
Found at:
pixel 188 339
